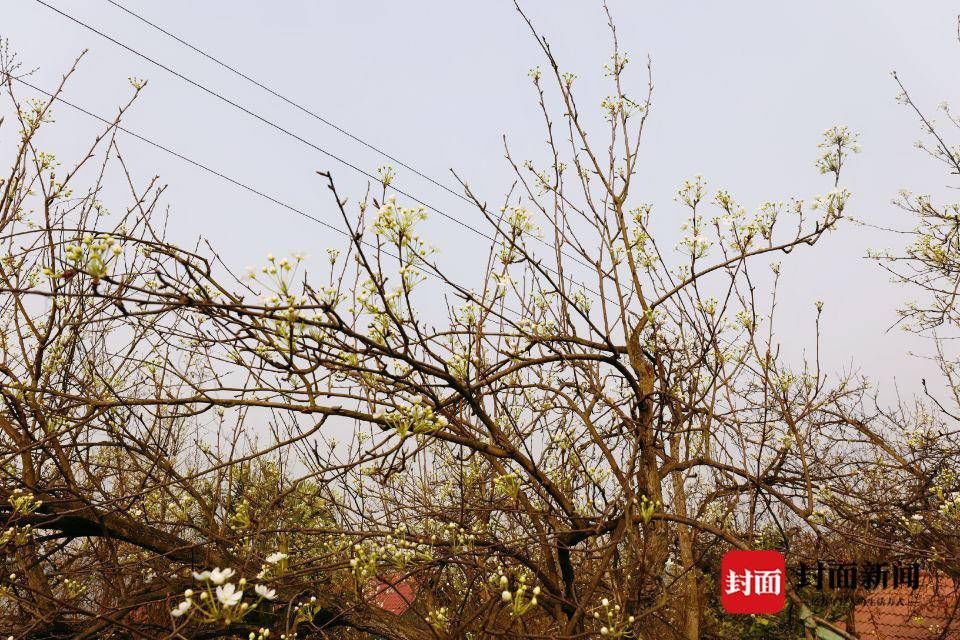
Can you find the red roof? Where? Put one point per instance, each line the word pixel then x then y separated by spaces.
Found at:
pixel 392 593
pixel 930 612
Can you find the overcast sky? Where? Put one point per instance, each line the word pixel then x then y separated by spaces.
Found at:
pixel 743 91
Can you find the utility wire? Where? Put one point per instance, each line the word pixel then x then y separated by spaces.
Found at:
pixel 255 115
pixel 430 271
pixel 290 102
pixel 310 144
pixel 234 181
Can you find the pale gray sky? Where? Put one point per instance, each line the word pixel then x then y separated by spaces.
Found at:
pixel 743 90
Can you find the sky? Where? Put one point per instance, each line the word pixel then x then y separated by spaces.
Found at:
pixel 742 93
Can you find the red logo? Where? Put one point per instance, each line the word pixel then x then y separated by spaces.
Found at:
pixel 753 581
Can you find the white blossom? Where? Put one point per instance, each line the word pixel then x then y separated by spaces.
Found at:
pixel 219 576
pixel 265 592
pixel 181 608
pixel 228 595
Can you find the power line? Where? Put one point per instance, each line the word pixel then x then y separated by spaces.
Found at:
pixel 310 144
pixel 195 163
pixel 257 116
pixel 432 271
pixel 289 101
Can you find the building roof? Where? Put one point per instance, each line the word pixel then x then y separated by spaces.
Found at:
pixel 393 593
pixel 930 612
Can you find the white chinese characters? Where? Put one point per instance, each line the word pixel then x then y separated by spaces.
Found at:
pixel 754 582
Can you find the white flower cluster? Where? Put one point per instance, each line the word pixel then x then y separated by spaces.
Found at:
pixel 951 505
pixel 716 513
pixel 416 417
pixel 520 221
pixel 542 180
pixel 46 161
pixel 831 203
pixel 32 117
pixel 648 507
pixel 615 107
pixel 459 365
pixel 507 484
pixel 582 302
pixel 838 142
pixel 219 599
pixel 90 255
pixel 274 566
pixel 914 524
pixel 639 238
pixel 73 588
pixel 742 230
pixel 454 535
pixel 363 563
pixel 397 223
pixel 396 549
pixel 383 305
pixel 766 218
pixel 16 535
pixel 537 329
pixel 614 624
pixel 597 475
pixel 694 243
pixel 709 305
pixel 521 599
pixel 304 611
pixel 438 618
pixel 23 502
pixel 276 277
pixel 747 320
pixel 503 283
pixel 387 175
pixel 468 314
pixel 691 192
